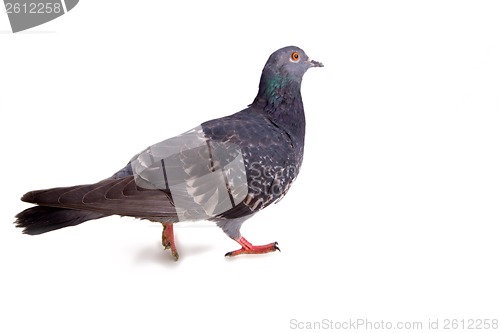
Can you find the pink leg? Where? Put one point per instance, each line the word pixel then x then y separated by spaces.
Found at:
pixel 167 239
pixel 248 248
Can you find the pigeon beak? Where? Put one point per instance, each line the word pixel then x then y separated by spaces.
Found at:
pixel 314 63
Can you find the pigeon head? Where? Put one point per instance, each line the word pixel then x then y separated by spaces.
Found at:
pixel 283 72
pixel 290 62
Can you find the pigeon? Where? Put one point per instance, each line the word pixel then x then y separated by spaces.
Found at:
pixel 224 170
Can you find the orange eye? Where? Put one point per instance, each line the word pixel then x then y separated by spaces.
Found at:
pixel 295 56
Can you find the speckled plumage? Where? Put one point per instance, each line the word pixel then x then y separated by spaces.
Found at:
pixel 268 134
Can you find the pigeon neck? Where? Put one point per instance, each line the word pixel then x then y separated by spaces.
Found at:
pixel 279 97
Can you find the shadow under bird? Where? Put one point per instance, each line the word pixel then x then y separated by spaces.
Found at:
pixel 224 170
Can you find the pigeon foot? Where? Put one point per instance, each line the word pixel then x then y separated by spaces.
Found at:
pixel 167 239
pixel 248 248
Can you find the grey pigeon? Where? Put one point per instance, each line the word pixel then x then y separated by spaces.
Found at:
pixel 224 170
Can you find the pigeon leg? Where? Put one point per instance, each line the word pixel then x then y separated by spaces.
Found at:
pixel 248 248
pixel 167 239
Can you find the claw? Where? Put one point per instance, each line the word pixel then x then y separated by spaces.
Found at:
pixel 175 255
pixel 276 246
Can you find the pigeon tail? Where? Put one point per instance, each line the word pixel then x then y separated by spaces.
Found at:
pixel 40 219
pixel 108 197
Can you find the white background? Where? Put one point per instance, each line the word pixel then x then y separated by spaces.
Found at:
pixel 395 215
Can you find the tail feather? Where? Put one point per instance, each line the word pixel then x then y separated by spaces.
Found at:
pixel 109 196
pixel 68 206
pixel 40 219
